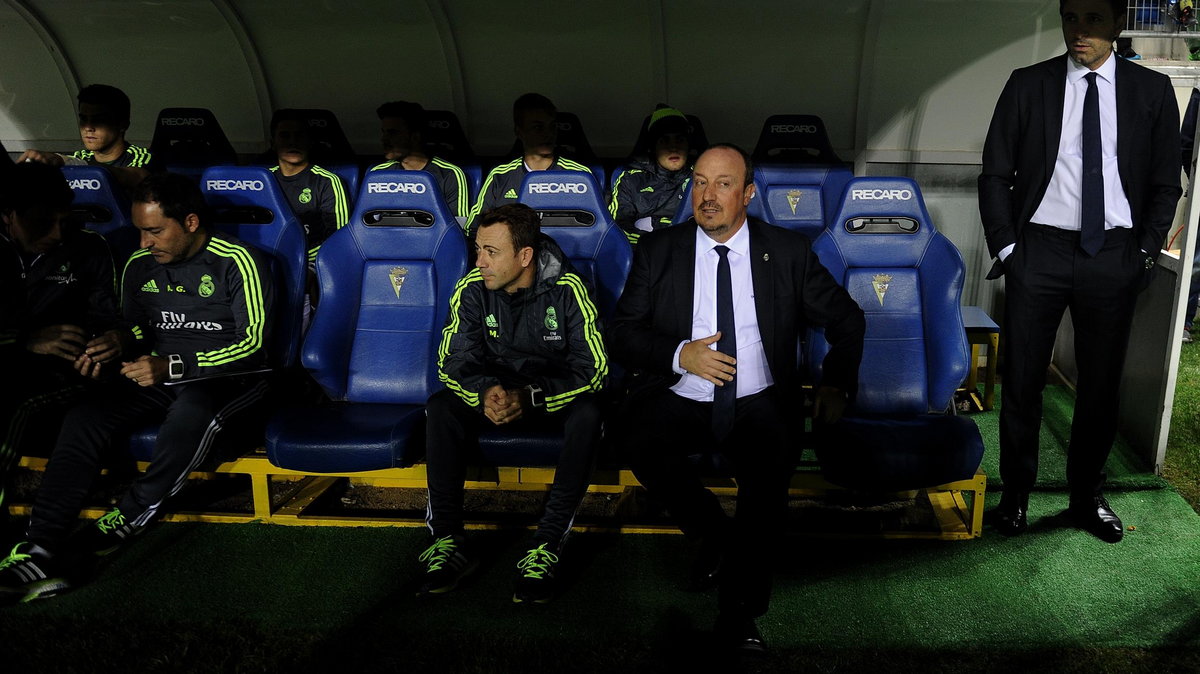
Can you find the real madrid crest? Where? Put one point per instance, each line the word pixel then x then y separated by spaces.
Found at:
pixel 793 197
pixel 206 286
pixel 880 283
pixel 397 275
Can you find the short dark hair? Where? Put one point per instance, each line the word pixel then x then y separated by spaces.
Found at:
pixel 524 225
pixel 110 97
pixel 1119 7
pixel 412 114
pixel 177 196
pixel 31 184
pixel 287 115
pixel 745 158
pixel 530 102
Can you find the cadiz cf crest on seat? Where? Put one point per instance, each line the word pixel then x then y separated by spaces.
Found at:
pixel 206 286
pixel 551 319
pixel 793 197
pixel 880 283
pixel 397 275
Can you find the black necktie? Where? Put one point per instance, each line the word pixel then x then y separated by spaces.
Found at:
pixel 1091 224
pixel 724 397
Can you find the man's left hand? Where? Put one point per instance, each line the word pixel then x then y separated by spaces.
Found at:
pixel 829 404
pixel 147 370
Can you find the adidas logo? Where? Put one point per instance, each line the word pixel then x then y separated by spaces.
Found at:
pixel 150 287
pixel 646 189
pixel 511 194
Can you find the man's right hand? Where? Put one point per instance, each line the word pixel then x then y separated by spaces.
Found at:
pixel 696 357
pixel 50 158
pixel 64 341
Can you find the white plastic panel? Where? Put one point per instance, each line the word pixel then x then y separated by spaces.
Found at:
pixel 35 102
pixel 163 54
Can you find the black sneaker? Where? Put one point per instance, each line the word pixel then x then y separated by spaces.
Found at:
pixel 537 579
pixel 30 572
pixel 107 534
pixel 446 564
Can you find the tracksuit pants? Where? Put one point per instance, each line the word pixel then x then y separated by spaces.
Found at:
pixel 452 441
pixel 192 415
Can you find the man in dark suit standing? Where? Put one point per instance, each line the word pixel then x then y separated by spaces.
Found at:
pixel 708 325
pixel 1079 186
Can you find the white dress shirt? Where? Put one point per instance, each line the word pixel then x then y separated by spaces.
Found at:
pixel 753 375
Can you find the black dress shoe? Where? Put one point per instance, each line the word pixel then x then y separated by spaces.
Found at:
pixel 738 634
pixel 1011 516
pixel 1095 516
pixel 706 566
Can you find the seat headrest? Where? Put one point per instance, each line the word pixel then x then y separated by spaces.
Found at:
pixel 572 141
pixel 190 134
pixel 444 135
pixel 243 193
pixel 96 204
pixel 798 139
pixel 571 208
pixel 882 208
pixel 329 141
pixel 405 202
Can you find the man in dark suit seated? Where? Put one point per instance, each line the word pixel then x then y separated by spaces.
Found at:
pixel 1079 186
pixel 708 325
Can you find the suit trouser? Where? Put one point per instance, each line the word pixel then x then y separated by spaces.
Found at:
pixel 452 436
pixel 193 416
pixel 669 429
pixel 1046 274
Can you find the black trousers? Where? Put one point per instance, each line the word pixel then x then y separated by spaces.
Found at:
pixel 38 392
pixel 193 417
pixel 669 429
pixel 1046 274
pixel 452 441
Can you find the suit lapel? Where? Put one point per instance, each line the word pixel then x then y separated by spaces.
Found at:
pixel 1054 88
pixel 1126 87
pixel 684 277
pixel 764 288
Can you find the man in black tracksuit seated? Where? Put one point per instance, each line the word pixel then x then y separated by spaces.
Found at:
pixel 197 304
pixel 521 346
pixel 58 303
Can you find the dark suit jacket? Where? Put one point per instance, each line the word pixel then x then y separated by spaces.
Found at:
pixel 791 291
pixel 1022 146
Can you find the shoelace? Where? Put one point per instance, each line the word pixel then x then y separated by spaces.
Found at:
pixel 437 554
pixel 111 521
pixel 13 558
pixel 537 563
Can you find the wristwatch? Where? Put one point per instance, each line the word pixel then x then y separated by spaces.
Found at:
pixel 175 366
pixel 536 398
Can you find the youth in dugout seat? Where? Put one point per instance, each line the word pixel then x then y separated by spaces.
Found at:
pixel 247 203
pixel 386 280
pixel 100 208
pixel 188 140
pixel 572 212
pixel 901 432
pixel 697 140
pixel 794 139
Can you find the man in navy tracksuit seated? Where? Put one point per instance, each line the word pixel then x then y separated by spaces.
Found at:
pixel 197 304
pixel 521 346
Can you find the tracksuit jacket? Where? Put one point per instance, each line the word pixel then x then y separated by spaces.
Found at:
pixel 547 335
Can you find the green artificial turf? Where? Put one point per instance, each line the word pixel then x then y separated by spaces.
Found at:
pixel 1125 469
pixel 1182 464
pixel 257 597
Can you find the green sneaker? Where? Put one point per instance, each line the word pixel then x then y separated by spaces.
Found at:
pixel 108 534
pixel 446 564
pixel 30 572
pixel 537 579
